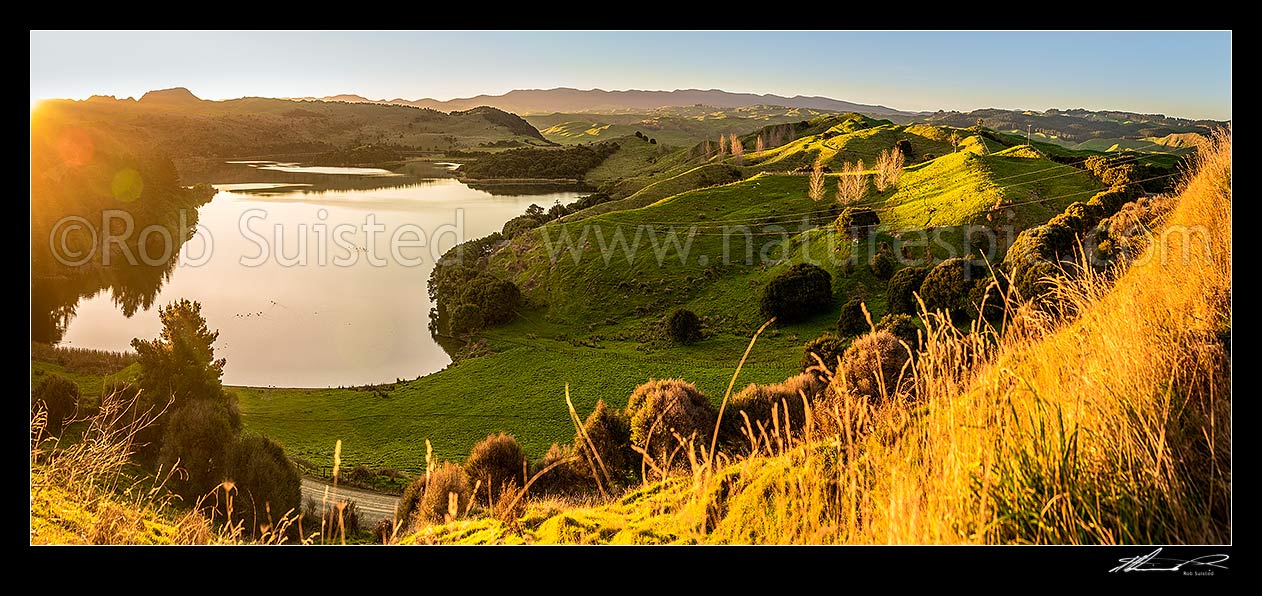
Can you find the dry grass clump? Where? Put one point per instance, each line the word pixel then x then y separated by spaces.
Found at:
pixel 876 366
pixel 664 412
pixel 498 464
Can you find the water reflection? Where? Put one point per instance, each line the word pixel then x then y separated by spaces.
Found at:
pixel 309 325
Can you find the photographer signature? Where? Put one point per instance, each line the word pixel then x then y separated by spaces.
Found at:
pixel 1151 562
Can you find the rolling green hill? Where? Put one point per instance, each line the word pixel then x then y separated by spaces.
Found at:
pixel 679 126
pixel 592 316
pixel 181 125
pixel 1077 125
pixel 593 324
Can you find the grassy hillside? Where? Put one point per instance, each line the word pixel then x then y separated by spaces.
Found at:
pixel 181 125
pixel 953 190
pixel 519 390
pixel 1015 186
pixel 1077 125
pixel 679 126
pixel 595 325
pixel 1106 423
pixel 61 516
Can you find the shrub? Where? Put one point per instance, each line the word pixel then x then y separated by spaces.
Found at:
pixel 901 326
pixel 1111 200
pixel 433 505
pixel 567 479
pixel 660 409
pixel 198 437
pixel 519 225
pixel 360 473
pixel 610 432
pixel 466 300
pixel 759 401
pixel 60 397
pixel 410 501
pixel 855 222
pixel 882 265
pixel 947 287
pixel 798 293
pixel 179 366
pixel 534 162
pixel 497 462
pixel 268 485
pixel 987 300
pixel 904 146
pixel 683 326
pixel 874 361
pixel 466 318
pixel 557 211
pixel 851 320
pixel 495 298
pixel 1089 214
pixel 900 297
pixel 828 347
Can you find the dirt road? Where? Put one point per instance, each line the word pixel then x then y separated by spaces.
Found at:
pixel 373 506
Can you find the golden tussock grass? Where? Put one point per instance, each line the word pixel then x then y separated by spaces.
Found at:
pixel 80 493
pixel 1103 419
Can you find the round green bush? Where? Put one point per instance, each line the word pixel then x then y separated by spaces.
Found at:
pixel 267 483
pixel 901 326
pixel 1089 214
pixel 496 299
pixel 873 366
pixel 198 438
pixel 466 318
pixel 986 298
pixel 900 296
pixel 851 320
pixel 60 397
pixel 497 463
pixel 802 291
pixel 882 265
pixel 661 409
pixel 947 287
pixel 856 221
pixel 904 146
pixel 683 326
pixel 829 347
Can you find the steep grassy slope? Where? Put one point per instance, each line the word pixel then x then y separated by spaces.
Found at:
pixel 59 516
pixel 1108 424
pixel 850 138
pixel 984 183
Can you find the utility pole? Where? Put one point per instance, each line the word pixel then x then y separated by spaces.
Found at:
pixel 1027 134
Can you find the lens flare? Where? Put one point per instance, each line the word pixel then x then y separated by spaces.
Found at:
pixel 127 185
pixel 75 147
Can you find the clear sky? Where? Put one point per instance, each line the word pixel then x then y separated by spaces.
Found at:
pixel 1175 73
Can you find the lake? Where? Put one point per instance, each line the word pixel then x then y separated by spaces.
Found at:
pixel 284 267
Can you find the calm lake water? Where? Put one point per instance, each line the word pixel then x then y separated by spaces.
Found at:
pixel 325 322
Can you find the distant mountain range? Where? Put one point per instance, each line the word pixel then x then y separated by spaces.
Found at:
pixel 563 99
